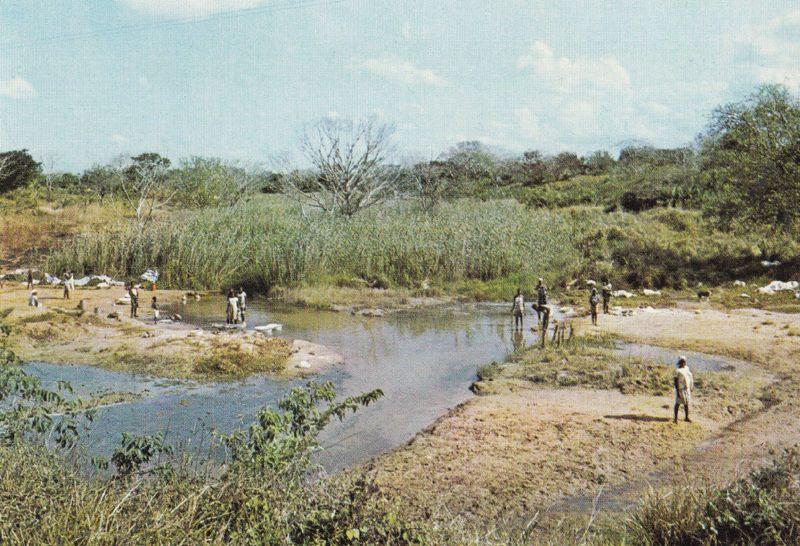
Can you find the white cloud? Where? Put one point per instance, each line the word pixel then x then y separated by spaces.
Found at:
pixel 567 74
pixel 118 139
pixel 395 68
pixel 16 88
pixel 190 8
pixel 772 50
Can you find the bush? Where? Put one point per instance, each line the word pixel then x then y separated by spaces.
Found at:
pixel 763 508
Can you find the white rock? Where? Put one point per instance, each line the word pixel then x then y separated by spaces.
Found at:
pixel 778 286
pixel 622 294
pixel 744 295
pixel 648 292
pixel 739 283
pixel 767 263
pixel 269 328
pixel 304 364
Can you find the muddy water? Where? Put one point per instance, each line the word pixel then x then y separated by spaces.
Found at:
pixel 424 361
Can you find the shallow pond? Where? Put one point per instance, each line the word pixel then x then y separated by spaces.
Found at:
pixel 424 361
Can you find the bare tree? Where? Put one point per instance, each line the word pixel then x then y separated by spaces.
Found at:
pixel 50 175
pixel 144 185
pixel 350 168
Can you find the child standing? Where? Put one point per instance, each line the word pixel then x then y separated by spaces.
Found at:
pixel 156 310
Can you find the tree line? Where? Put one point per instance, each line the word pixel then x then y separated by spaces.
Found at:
pixel 745 165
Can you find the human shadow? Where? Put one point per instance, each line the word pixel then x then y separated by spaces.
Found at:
pixel 640 418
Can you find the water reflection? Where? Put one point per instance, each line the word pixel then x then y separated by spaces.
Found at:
pixel 423 360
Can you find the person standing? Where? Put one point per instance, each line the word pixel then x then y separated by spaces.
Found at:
pixel 541 298
pixel 133 292
pixel 242 303
pixel 594 301
pixel 33 299
pixel 66 285
pixel 156 310
pixel 232 310
pixel 606 297
pixel 684 382
pixel 518 309
pixel 30 279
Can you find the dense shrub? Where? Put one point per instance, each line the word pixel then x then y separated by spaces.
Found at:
pixel 762 508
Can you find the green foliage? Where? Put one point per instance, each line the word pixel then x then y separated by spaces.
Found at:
pixel 135 451
pixel 762 508
pixel 281 441
pixel 17 169
pixel 395 245
pixel 752 152
pixel 28 409
pixel 208 182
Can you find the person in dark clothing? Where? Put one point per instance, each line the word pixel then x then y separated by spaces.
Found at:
pixel 541 298
pixel 606 297
pixel 30 279
pixel 133 292
pixel 594 301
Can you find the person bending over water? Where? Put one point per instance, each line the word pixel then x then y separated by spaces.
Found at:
pixel 518 309
pixel 684 382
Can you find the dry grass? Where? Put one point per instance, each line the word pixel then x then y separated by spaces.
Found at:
pixel 27 235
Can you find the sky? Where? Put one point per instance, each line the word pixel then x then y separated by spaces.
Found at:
pixel 84 81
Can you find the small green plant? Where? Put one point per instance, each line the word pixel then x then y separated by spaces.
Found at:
pixel 134 452
pixel 284 439
pixel 28 408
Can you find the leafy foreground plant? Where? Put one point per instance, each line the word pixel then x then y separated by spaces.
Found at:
pixel 763 508
pixel 29 409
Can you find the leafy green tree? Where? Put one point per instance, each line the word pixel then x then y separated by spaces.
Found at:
pixel 753 149
pixel 17 169
pixel 564 166
pixel 101 181
pixel 211 182
pixel 599 162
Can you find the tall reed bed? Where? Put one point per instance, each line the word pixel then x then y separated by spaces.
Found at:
pixel 270 242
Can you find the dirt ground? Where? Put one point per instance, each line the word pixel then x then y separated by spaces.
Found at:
pixel 529 452
pixel 59 333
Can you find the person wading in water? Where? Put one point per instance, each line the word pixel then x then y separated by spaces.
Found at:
pixel 683 388
pixel 518 309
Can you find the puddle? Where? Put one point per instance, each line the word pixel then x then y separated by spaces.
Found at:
pixel 669 357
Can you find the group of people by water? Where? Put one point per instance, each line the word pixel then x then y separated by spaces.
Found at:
pixel 683 380
pixel 237 306
pixel 542 309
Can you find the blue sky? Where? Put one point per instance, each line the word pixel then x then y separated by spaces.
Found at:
pixel 82 81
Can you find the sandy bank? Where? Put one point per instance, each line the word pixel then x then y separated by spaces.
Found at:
pixel 59 333
pixel 527 447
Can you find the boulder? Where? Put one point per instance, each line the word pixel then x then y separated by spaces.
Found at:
pixel 648 292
